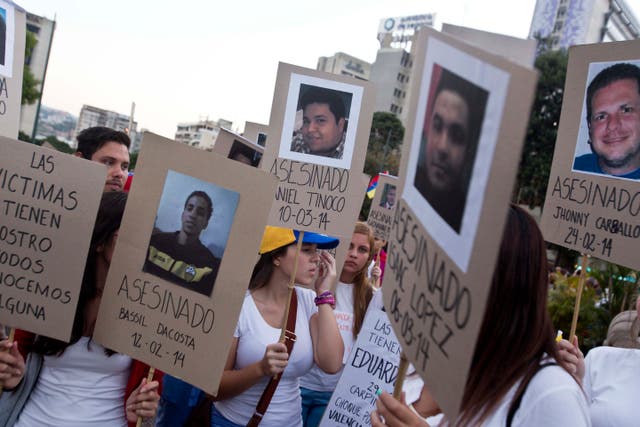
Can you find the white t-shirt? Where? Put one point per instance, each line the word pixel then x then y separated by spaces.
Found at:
pixel 316 379
pixel 552 399
pixel 612 385
pixel 254 334
pixel 81 387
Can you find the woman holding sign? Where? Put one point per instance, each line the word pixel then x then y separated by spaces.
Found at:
pixel 517 377
pixel 80 383
pixel 610 380
pixel 256 356
pixel 353 294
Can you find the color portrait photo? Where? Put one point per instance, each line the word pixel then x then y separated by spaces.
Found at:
pixel 190 232
pixel 460 104
pixel 321 118
pixel 608 140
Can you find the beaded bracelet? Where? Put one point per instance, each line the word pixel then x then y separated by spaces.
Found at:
pixel 325 298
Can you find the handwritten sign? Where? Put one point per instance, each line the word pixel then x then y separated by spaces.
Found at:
pixel 372 365
pixel 11 68
pixel 383 206
pixel 447 227
pixel 319 174
pixel 48 205
pixel 593 200
pixel 158 306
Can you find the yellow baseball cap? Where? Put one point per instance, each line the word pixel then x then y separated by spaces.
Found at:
pixel 277 237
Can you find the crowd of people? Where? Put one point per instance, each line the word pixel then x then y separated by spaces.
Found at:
pixel 519 375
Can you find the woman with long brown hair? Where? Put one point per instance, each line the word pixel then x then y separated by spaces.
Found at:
pixel 256 355
pixel 353 294
pixel 517 376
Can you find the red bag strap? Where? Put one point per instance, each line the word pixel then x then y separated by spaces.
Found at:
pixel 289 341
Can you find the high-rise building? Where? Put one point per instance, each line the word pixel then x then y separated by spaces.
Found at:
pixel 391 71
pixel 42 29
pixel 572 22
pixel 91 116
pixel 390 74
pixel 345 65
pixel 201 134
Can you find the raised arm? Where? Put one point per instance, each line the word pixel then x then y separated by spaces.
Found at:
pixel 328 347
pixel 236 381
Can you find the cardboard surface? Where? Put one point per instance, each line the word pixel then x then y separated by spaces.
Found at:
pixel 372 365
pixel 48 206
pixel 317 193
pixel 592 213
pixel 437 280
pixel 11 69
pixel 175 328
pixel 382 211
pixel 522 51
pixel 236 147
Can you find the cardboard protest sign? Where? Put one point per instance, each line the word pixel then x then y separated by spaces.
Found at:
pixel 318 134
pixel 593 196
pixel 383 206
pixel 448 225
pixel 372 365
pixel 174 303
pixel 12 39
pixel 235 147
pixel 522 51
pixel 256 132
pixel 48 206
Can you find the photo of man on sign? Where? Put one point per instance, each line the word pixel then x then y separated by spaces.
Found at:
pixel 612 113
pixel 450 135
pixel 325 113
pixel 185 257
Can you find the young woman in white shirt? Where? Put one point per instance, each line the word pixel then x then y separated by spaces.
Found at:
pixel 78 383
pixel 517 377
pixel 353 294
pixel 256 355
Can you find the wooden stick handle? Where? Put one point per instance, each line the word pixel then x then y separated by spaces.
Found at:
pixel 376 282
pixel 152 371
pixel 576 307
pixel 402 373
pixel 12 333
pixel 292 284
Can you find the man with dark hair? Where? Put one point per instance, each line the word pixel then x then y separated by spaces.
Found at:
pixel 388 201
pixel 179 256
pixel 449 142
pixel 109 147
pixel 323 123
pixel 613 118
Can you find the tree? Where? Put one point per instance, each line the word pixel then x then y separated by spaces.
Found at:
pixel 535 164
pixel 385 139
pixel 57 144
pixel 383 150
pixel 30 92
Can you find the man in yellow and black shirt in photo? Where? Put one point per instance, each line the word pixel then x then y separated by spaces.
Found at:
pixel 179 256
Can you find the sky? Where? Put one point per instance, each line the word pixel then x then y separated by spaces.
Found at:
pixel 190 60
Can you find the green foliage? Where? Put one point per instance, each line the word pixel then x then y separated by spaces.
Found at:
pixel 57 144
pixel 385 140
pixel 24 137
pixel 133 159
pixel 593 320
pixel 383 150
pixel 619 285
pixel 30 92
pixel 535 164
